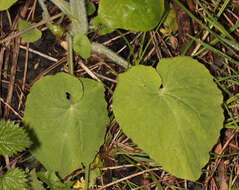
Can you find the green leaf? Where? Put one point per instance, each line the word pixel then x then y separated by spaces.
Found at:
pixel 174 114
pixel 34 182
pixel 52 181
pixel 30 36
pixel 69 118
pixel 6 4
pixel 14 179
pixel 136 15
pixel 12 138
pixel 82 45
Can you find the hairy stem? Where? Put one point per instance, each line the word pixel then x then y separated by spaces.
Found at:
pixel 98 48
pixel 78 9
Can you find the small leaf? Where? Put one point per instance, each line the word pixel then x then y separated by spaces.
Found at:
pixel 136 15
pixel 82 45
pixel 6 4
pixel 12 138
pixel 69 118
pixel 14 179
pixel 173 113
pixel 30 36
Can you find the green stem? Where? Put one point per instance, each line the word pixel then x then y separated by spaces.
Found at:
pixel 78 10
pixel 98 48
pixel 87 174
pixel 70 53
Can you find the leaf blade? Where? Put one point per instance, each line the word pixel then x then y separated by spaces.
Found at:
pixel 173 119
pixel 69 124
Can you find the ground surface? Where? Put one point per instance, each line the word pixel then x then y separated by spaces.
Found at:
pixel 22 64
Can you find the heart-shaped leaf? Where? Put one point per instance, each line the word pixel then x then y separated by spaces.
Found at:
pixel 82 45
pixel 136 15
pixel 69 117
pixel 174 114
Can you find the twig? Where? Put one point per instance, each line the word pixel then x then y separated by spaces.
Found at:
pixel 39 53
pixel 1 63
pixel 219 159
pixel 105 78
pixel 128 177
pixel 58 63
pixel 24 76
pixel 13 75
pixel 88 71
pixel 17 114
pixel 7 162
pixel 119 167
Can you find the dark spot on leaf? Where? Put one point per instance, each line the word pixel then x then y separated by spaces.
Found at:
pixel 68 96
pixel 160 89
